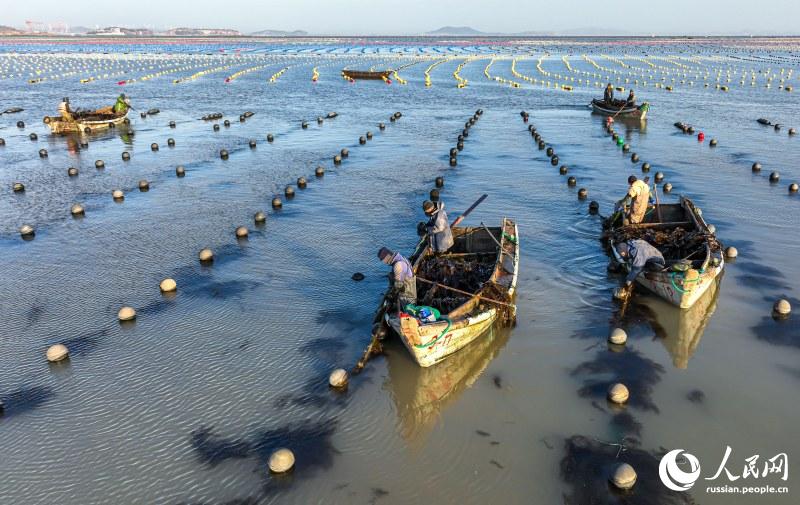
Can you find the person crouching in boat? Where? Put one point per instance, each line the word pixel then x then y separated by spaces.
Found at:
pixel 608 96
pixel 631 101
pixel 120 107
pixel 402 280
pixel 440 236
pixel 639 254
pixel 64 110
pixel 639 197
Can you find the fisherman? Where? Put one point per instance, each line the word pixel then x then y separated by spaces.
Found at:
pixel 64 110
pixel 608 96
pixel 119 108
pixel 639 254
pixel 402 280
pixel 639 197
pixel 438 228
pixel 631 99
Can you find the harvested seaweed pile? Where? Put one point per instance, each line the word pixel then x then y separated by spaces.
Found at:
pixel 673 243
pixel 464 272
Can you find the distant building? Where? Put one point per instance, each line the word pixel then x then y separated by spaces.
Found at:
pixel 119 31
pixel 199 32
pixel 7 30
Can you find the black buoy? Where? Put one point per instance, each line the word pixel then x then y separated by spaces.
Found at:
pixel 270 138
pixel 634 158
pixel 216 127
pixel 465 133
pixel 277 203
pixel 460 138
pixel 171 124
pixel 398 115
pixel 793 187
pixel 659 176
pixel 289 192
pixel 460 146
pixel 180 171
pixel 226 123
pixel 43 153
pixel 594 207
pixel 319 120
pixel 252 143
pixel 126 156
pixel 667 187
pixel 453 161
pixel 362 140
pixel 434 195
pixel 774 177
pixel 33 136
pixel 626 148
pixel 645 167
pixel 304 124
pixel 712 143
pixel 345 152
pixel 554 160
pixel 756 167
pixel 99 164
pixel 20 124
pixel 171 142
pixel 369 135
pixel 337 160
pixel 439 182
pixel 2 141
pixel 72 172
pixel 223 153
pixel 572 181
pixel 154 147
pixel 549 151
pixel 301 182
pixel 319 172
pixel 563 169
pixel 541 145
pixel 381 126
pixel 582 193
pixel 453 151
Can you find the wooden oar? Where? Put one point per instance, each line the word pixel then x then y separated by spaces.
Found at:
pixel 379 320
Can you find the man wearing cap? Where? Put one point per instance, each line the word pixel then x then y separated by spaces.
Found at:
pixel 639 194
pixel 639 254
pixel 440 236
pixel 402 279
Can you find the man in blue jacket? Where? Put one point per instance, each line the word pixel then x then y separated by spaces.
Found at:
pixel 639 254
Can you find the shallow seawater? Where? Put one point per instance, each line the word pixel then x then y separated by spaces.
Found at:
pixel 186 404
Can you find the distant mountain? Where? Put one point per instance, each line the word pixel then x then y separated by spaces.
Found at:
pixel 280 33
pixel 7 30
pixel 462 31
pixel 79 29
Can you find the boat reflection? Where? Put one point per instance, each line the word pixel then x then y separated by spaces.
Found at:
pixel 680 330
pixel 421 394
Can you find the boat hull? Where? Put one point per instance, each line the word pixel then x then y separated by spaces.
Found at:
pixel 59 125
pixel 430 343
pixel 629 112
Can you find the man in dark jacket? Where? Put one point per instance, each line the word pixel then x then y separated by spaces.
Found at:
pixel 639 254
pixel 438 228
pixel 608 96
pixel 402 278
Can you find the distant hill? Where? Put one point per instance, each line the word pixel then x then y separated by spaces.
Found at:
pixel 463 31
pixel 79 29
pixel 7 30
pixel 280 33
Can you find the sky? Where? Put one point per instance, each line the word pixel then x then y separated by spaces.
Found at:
pixel 411 17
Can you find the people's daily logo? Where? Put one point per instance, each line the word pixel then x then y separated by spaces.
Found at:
pixel 673 476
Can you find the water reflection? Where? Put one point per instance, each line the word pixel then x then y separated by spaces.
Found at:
pixel 679 330
pixel 420 394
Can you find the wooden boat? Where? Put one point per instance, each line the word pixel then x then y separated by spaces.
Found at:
pixel 601 107
pixel 85 123
pixel 366 74
pixel 482 263
pixel 693 256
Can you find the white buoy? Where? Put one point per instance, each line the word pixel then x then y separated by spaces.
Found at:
pixel 260 217
pixel 618 393
pixel 281 461
pixel 338 378
pixel 26 230
pixel 782 307
pixel 168 285
pixel 242 232
pixel 618 336
pixel 127 314
pixel 76 210
pixel 731 252
pixel 57 353
pixel 206 255
pixel 117 194
pixel 624 476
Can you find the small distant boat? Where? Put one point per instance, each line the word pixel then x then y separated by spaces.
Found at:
pixel 85 123
pixel 693 256
pixel 366 74
pixel 635 112
pixel 484 260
